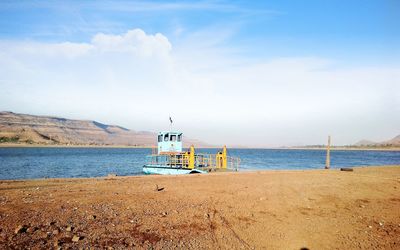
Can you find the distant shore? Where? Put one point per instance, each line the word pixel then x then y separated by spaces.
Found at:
pixel 313 209
pixel 27 145
pixel 348 148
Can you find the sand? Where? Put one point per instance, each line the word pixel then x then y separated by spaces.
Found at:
pixel 314 209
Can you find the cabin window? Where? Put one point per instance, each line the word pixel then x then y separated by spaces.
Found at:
pixel 180 137
pixel 159 138
pixel 166 137
pixel 173 137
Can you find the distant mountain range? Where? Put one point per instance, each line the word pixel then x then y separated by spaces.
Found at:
pixel 46 130
pixel 395 142
pixel 392 143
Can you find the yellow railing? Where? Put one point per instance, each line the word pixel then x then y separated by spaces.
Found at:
pixel 201 161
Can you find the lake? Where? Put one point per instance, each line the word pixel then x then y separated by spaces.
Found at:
pixel 28 163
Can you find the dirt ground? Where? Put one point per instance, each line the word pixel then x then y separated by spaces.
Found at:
pixel 312 209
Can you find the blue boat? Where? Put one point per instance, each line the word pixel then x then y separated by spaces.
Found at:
pixel 170 159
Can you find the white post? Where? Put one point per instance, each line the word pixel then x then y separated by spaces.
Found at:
pixel 328 156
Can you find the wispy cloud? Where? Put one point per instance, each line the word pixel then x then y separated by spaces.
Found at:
pixel 137 79
pixel 137 6
pixel 78 20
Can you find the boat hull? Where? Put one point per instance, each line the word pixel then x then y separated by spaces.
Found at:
pixel 166 170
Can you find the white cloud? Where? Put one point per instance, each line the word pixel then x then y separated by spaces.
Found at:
pixel 137 80
pixel 135 42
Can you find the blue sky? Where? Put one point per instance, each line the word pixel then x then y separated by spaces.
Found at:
pixel 270 63
pixel 353 29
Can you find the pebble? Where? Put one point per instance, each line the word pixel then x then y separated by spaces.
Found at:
pixel 31 229
pixel 369 226
pixel 68 229
pixel 91 217
pixel 55 232
pixel 21 229
pixel 76 238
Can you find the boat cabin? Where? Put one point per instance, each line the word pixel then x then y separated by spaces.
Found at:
pixel 169 142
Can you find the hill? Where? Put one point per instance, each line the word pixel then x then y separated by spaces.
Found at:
pixel 365 143
pixel 48 130
pixel 395 142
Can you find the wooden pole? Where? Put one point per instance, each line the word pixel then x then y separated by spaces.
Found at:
pixel 328 154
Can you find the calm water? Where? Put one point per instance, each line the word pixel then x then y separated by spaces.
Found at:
pixel 23 163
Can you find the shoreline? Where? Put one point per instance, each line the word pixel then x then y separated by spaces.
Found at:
pixel 17 145
pixel 314 209
pixel 247 171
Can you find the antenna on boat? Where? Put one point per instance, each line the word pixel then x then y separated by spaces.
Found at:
pixel 170 122
pixel 328 154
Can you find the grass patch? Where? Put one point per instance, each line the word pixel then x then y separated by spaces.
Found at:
pixel 9 139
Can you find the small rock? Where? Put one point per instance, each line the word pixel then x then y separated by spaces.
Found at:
pixel 55 232
pixel 346 169
pixel 381 224
pixel 91 217
pixel 362 206
pixel 164 214
pixel 369 226
pixel 52 223
pixel 159 188
pixel 31 229
pixel 69 229
pixel 21 229
pixel 76 238
pixel 207 215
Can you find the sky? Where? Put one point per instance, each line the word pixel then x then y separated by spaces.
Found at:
pixel 248 73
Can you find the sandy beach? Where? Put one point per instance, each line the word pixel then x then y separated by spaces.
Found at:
pixel 314 209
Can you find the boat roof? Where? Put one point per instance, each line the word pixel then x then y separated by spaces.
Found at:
pixel 169 132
